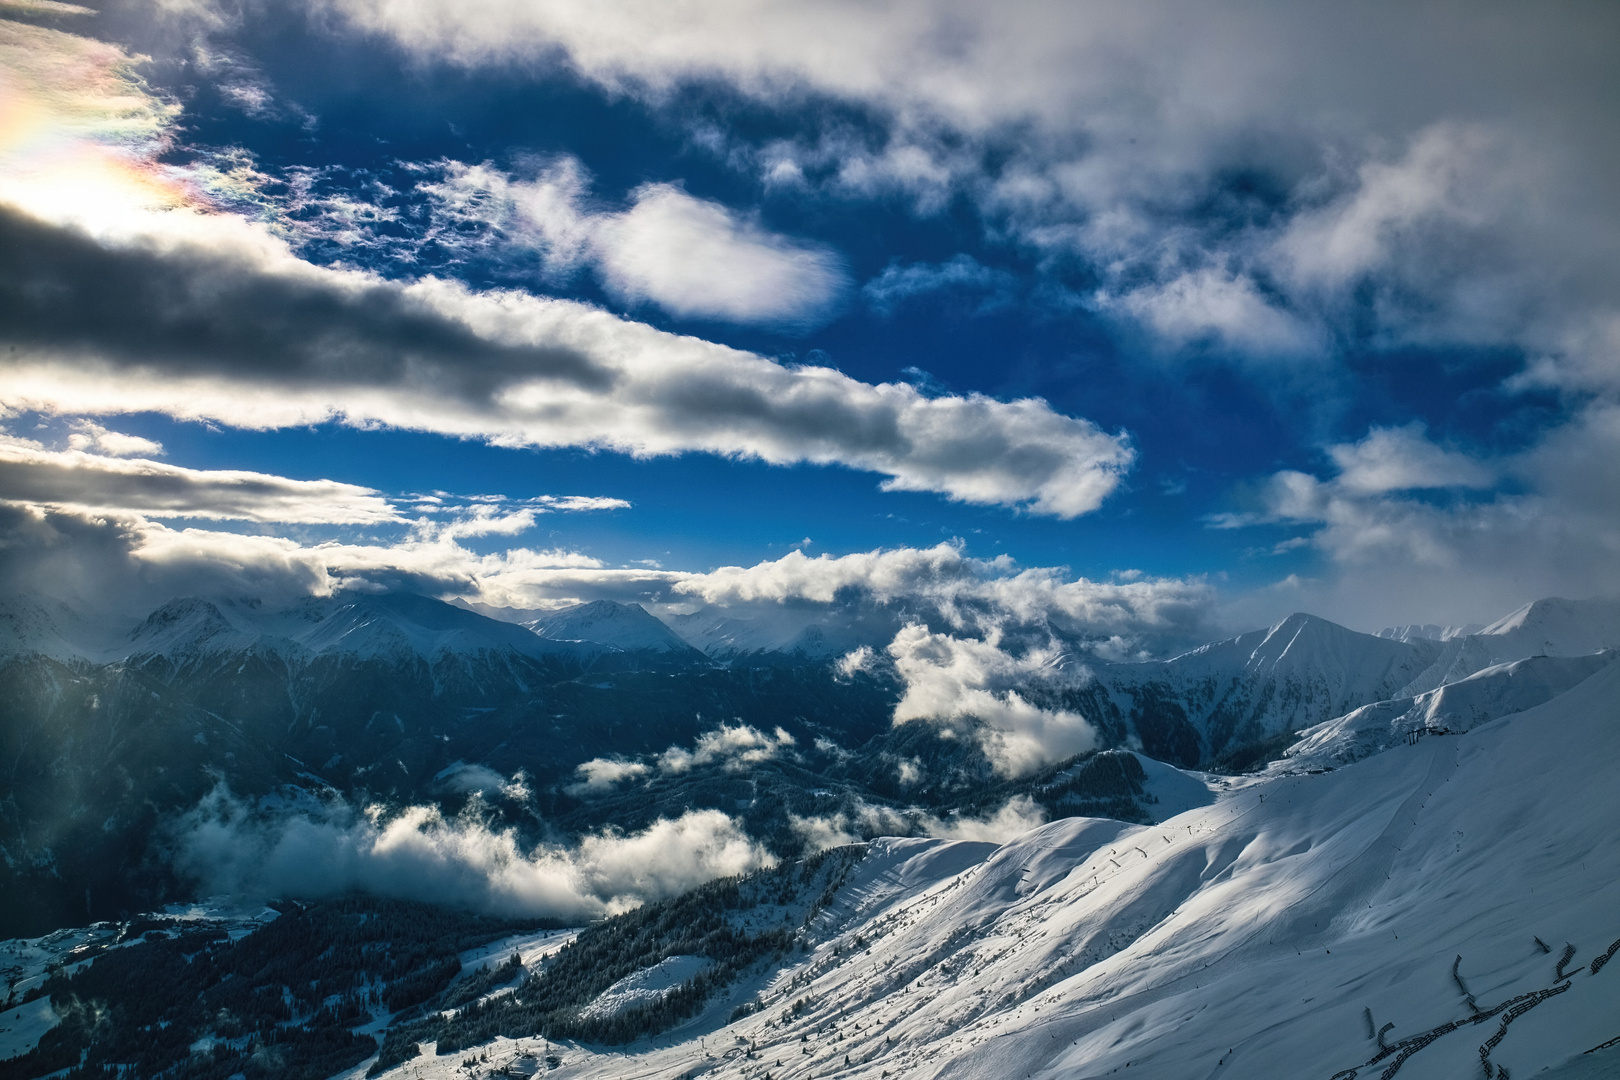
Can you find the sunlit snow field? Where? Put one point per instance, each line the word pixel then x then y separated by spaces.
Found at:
pixel 1252 937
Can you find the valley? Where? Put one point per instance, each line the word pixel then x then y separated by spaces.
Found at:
pixel 1370 855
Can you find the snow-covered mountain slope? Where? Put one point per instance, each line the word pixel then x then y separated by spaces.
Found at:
pixel 1426 912
pixel 1245 690
pixel 1174 791
pixel 1306 647
pixel 47 627
pixel 1555 627
pixel 626 627
pixel 190 628
pixel 1454 708
pixel 720 635
pixel 402 624
pixel 1551 627
pixel 1432 631
pixel 391 626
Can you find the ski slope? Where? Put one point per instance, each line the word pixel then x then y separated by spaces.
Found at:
pixel 1271 933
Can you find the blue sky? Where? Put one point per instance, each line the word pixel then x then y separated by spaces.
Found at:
pixel 1251 307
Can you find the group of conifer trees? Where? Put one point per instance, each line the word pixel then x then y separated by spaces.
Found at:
pixel 279 1002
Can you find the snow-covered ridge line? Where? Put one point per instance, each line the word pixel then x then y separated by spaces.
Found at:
pixel 1456 707
pixel 1252 937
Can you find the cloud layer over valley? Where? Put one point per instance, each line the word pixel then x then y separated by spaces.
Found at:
pixel 416 853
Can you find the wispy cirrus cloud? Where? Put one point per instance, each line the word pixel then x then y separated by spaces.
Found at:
pixel 959 274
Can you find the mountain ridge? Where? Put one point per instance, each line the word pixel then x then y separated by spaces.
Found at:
pixel 625 627
pixel 371 697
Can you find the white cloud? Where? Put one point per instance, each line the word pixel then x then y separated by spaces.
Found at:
pixel 950 678
pixel 78 480
pixel 497 516
pixel 692 257
pixel 1397 459
pixel 1210 304
pixel 89 539
pixel 507 368
pixel 484 780
pixel 966 592
pixel 1016 817
pixel 736 746
pixel 1406 530
pixel 600 774
pixel 129 563
pixel 855 661
pixel 695 258
pixel 418 854
pixel 822 831
pixel 91 436
pixel 1454 165
pixel 864 821
pixel 480 204
pixel 1359 232
pixel 125 288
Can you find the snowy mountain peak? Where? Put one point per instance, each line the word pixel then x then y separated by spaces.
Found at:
pixel 191 626
pixel 45 627
pixel 1556 627
pixel 628 627
pixel 403 624
pixel 397 626
pixel 1300 637
pixel 1303 644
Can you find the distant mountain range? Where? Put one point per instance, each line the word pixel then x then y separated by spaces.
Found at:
pixel 109 730
pixel 1403 846
pixel 609 625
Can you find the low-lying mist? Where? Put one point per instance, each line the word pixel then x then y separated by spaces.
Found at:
pixel 228 845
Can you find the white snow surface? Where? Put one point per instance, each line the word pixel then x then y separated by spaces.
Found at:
pixel 1556 627
pixel 1247 938
pixel 26 963
pixel 1431 631
pixel 627 627
pixel 647 986
pixel 1551 627
pixel 533 947
pixel 33 625
pixel 1175 791
pixel 22 1027
pixel 1453 708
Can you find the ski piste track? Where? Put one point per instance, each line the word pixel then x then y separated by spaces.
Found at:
pixel 1510 1010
